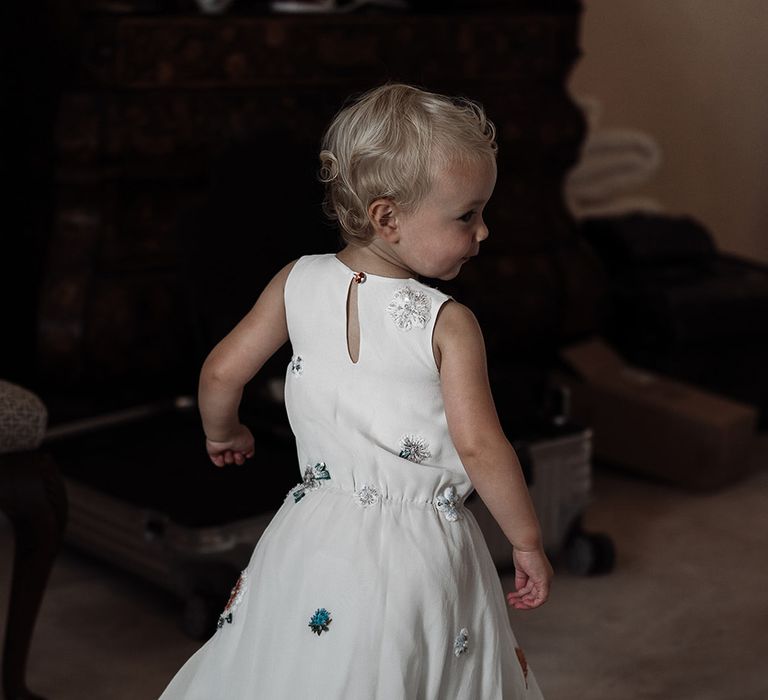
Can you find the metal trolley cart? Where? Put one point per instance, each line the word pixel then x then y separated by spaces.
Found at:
pixel 144 497
pixel 557 463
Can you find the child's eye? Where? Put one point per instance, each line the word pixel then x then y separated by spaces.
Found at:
pixel 466 217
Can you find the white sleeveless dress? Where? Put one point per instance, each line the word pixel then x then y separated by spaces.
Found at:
pixel 372 581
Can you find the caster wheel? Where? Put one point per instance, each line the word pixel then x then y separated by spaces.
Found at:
pixel 199 618
pixel 590 554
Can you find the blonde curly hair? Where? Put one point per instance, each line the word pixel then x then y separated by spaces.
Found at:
pixel 389 143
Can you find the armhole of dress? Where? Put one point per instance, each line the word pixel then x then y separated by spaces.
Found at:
pixel 299 262
pixel 288 290
pixel 444 300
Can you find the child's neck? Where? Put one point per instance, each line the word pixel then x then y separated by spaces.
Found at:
pixel 376 259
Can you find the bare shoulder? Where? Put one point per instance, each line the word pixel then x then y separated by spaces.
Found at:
pixel 455 317
pixel 257 336
pixel 276 286
pixel 282 274
pixel 456 332
pixel 469 407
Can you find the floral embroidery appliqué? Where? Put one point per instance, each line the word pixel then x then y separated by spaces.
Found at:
pixel 414 448
pixel 296 365
pixel 235 598
pixel 409 307
pixel 447 502
pixel 523 663
pixel 320 620
pixel 312 478
pixel 367 495
pixel 462 642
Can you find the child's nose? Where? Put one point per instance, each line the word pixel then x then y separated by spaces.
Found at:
pixel 482 232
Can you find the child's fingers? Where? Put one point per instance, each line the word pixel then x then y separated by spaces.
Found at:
pixel 537 597
pixel 526 604
pixel 230 457
pixel 221 459
pixel 517 603
pixel 532 595
pixel 534 588
pixel 520 603
pixel 523 590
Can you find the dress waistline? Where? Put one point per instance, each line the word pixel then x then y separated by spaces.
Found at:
pixel 445 499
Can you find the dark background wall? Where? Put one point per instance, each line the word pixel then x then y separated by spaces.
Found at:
pixel 164 168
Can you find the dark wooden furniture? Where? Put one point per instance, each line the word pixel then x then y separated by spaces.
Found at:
pixel 32 496
pixel 683 308
pixel 187 156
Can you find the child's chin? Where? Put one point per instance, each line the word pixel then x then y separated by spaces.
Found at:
pixel 449 275
pixel 452 273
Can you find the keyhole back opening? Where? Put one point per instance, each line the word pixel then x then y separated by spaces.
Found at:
pixel 353 318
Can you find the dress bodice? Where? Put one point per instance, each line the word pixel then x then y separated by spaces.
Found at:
pixel 379 421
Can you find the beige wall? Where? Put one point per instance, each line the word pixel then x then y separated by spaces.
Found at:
pixel 694 74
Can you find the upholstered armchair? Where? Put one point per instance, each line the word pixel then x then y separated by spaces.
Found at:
pixel 32 496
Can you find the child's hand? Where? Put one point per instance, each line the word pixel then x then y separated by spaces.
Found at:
pixel 533 574
pixel 233 451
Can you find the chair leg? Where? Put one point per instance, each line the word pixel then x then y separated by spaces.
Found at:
pixel 32 495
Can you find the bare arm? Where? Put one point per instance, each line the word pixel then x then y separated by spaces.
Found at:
pixel 233 363
pixel 489 459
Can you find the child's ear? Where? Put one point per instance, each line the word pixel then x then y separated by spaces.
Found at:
pixel 382 213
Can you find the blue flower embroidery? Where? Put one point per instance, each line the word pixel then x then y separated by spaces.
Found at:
pixel 312 478
pixel 296 365
pixel 320 621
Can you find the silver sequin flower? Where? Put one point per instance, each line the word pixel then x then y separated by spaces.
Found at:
pixel 414 448
pixel 296 365
pixel 367 495
pixel 447 502
pixel 409 307
pixel 462 642
pixel 312 478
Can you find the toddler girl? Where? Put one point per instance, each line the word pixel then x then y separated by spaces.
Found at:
pixel 373 580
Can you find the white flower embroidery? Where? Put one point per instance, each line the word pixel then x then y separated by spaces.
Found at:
pixel 462 642
pixel 296 366
pixel 409 308
pixel 447 502
pixel 367 495
pixel 414 448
